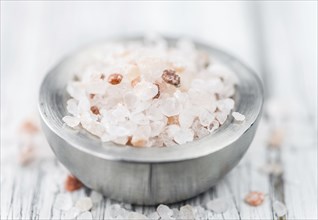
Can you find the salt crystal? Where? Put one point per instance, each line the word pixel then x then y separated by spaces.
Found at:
pixel 63 202
pixel 254 198
pixel 71 121
pixel 84 204
pixel 85 216
pixel 221 117
pixel 238 116
pixel 200 213
pixel 164 211
pixel 186 212
pixel 72 107
pixel 170 107
pixel 113 210
pixel 146 90
pixel 137 216
pixel 279 209
pixel 154 216
pixel 206 117
pixel 219 205
pixel 183 136
pixel 186 118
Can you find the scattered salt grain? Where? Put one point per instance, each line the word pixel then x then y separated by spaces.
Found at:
pixel 164 211
pixel 137 216
pixel 279 209
pixel 84 204
pixel 72 183
pixel 63 202
pixel 238 116
pixel 254 198
pixel 85 216
pixel 154 216
pixel 186 212
pixel 219 205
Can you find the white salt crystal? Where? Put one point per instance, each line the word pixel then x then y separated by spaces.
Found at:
pixel 156 128
pixel 85 216
pixel 218 205
pixel 164 211
pixel 154 216
pixel 84 204
pixel 238 116
pixel 186 212
pixel 170 107
pixel 221 117
pixel 136 215
pixel 63 202
pixel 71 121
pixel 279 209
pixel 140 119
pixel 145 90
pixel 183 136
pixel 71 106
pixel 96 87
pixel 186 118
pixel 113 210
pixel 206 117
pixel 200 213
pixel 225 105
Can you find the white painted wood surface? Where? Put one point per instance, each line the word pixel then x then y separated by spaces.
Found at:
pixel 278 39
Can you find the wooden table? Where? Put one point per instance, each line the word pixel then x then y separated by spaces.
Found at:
pixel 277 39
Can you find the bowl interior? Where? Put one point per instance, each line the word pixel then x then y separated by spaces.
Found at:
pixel 53 97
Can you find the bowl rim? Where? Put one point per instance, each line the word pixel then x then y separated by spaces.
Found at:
pixel 250 105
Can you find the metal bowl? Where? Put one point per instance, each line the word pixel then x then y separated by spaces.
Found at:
pixel 149 175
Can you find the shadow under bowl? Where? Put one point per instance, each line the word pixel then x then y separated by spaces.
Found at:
pixel 149 176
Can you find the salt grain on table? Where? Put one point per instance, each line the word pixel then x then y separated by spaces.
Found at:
pixel 279 209
pixel 186 212
pixel 150 91
pixel 84 204
pixel 154 216
pixel 254 198
pixel 164 211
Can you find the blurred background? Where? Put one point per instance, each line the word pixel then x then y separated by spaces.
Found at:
pixel 278 39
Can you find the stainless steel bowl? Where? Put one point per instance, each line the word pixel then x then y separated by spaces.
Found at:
pixel 149 175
